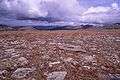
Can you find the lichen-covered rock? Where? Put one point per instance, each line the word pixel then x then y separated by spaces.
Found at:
pixel 22 73
pixel 7 64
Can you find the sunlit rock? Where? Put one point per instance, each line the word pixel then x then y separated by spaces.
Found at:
pixel 22 61
pixel 53 63
pixel 57 75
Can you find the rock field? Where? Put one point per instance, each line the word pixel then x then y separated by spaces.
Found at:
pixel 60 55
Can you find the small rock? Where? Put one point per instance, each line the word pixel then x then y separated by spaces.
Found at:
pixel 33 79
pixel 68 59
pixel 114 76
pixel 89 58
pixel 15 42
pixel 118 40
pixel 3 74
pixel 104 68
pixel 93 49
pixel 10 50
pixel 22 72
pixel 87 67
pixel 57 75
pixel 22 61
pixel 15 55
pixel 54 63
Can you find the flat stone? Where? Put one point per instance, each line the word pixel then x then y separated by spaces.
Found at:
pixel 10 50
pixel 70 47
pixel 53 63
pixel 68 59
pixel 22 72
pixel 57 75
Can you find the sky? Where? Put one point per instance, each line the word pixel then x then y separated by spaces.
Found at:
pixel 101 11
pixel 98 2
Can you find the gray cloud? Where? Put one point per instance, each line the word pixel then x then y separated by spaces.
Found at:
pixel 62 9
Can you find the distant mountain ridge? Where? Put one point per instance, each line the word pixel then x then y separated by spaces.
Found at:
pixel 61 27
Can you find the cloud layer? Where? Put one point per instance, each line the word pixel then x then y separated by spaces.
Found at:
pixel 62 9
pixel 42 8
pixel 102 14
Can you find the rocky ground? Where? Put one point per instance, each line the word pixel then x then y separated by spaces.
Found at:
pixel 60 55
